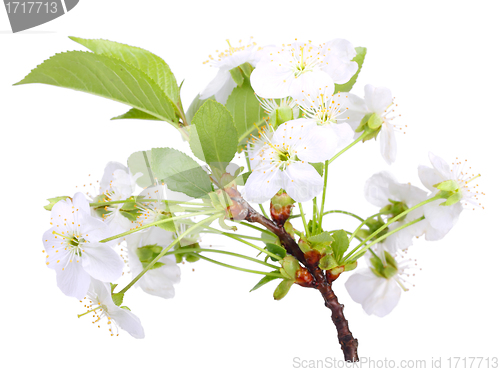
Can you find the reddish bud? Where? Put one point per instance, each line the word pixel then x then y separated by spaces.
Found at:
pixel 303 277
pixel 333 274
pixel 281 207
pixel 312 257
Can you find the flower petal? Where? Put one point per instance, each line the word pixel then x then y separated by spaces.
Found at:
pixel 101 262
pixel 388 144
pixel 377 188
pixel 302 182
pixel 263 183
pixel 127 321
pixel 377 99
pixel 73 280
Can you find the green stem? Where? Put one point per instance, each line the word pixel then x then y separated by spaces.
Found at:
pixel 344 212
pixel 206 221
pixel 136 200
pixel 276 275
pixel 348 147
pixel 362 251
pixel 303 220
pixel 229 235
pixel 156 223
pixel 361 225
pixel 253 227
pixel 315 216
pixel 195 250
pixel 325 176
pixel 394 219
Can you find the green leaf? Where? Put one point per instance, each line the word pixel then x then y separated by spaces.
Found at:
pixel 324 237
pixel 359 59
pixel 246 111
pixel 213 136
pixel 266 279
pixel 140 161
pixel 327 262
pixel 276 249
pixel 455 198
pixel 143 60
pixel 53 201
pixel 282 289
pixel 117 298
pixel 106 77
pixel 180 172
pixel 340 244
pixel 237 76
pixel 247 69
pixel 135 114
pixel 195 106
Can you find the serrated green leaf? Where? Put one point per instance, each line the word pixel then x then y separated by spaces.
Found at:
pixel 152 65
pixel 53 201
pixel 213 136
pixel 246 111
pixel 140 161
pixel 266 279
pixel 359 59
pixel 340 244
pixel 135 114
pixel 105 77
pixel 180 172
pixel 324 237
pixel 195 106
pixel 276 249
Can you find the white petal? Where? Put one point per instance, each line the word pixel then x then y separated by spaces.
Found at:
pixel 224 92
pixel 309 82
pixel 270 82
pixel 263 183
pixel 442 217
pixel 377 99
pixel 127 321
pixel 377 188
pixel 106 184
pixel 441 166
pixel 101 262
pixel 388 145
pixel 73 280
pixel 222 77
pixel 302 182
pixel 92 228
pixel 400 240
pixel 429 177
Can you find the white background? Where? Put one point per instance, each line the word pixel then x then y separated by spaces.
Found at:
pixel 440 59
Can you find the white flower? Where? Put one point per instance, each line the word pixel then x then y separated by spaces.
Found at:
pixel 439 219
pixel 378 100
pixel 154 204
pixel 110 315
pixel 223 84
pixel 324 108
pixel 288 70
pixel 378 288
pixel 142 249
pixel 73 248
pixel 382 190
pixel 283 163
pixel 117 183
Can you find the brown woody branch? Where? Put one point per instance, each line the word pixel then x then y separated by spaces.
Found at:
pixel 347 342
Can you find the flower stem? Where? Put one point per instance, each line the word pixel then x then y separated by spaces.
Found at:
pixel 206 221
pixel 394 219
pixel 347 147
pixel 325 176
pixel 156 223
pixel 361 252
pixel 142 200
pixel 196 250
pixel 306 230
pixel 276 275
pixel 362 224
pixel 344 212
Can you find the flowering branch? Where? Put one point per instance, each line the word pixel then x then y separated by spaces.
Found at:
pixel 347 342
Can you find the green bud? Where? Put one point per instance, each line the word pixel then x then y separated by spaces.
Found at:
pixel 282 289
pixel 395 208
pixel 289 228
pixel 337 270
pixel 375 121
pixel 450 185
pixel 53 201
pixel 362 124
pixel 290 266
pixel 281 115
pixel 384 271
pixel 350 266
pixel 304 245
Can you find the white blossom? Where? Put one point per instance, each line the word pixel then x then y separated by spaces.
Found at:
pixel 378 100
pixel 73 248
pixel 223 84
pixel 142 249
pixel 107 314
pixel 289 69
pixel 283 163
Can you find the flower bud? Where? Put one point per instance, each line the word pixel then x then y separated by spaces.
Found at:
pixel 303 277
pixel 312 257
pixel 281 207
pixel 333 274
